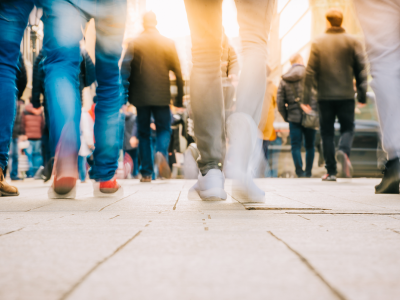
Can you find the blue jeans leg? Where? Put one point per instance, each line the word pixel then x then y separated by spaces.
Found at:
pixel 82 167
pixel 37 159
pixel 14 157
pixel 145 144
pixel 162 118
pixel 13 20
pixel 110 28
pixel 296 138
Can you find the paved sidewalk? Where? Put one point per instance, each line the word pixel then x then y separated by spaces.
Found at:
pixel 311 240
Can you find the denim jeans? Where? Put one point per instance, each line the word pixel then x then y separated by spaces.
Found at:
pixel 297 131
pixel 63 22
pixel 328 111
pixel 205 22
pixel 34 153
pixel 133 153
pixel 13 20
pixel 14 158
pixel 274 150
pixel 383 50
pixel 82 167
pixel 162 118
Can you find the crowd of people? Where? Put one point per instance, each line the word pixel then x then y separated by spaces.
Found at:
pixel 55 137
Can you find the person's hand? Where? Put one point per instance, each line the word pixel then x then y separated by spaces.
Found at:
pixel 361 105
pixel 134 142
pixel 23 138
pixel 179 110
pixel 234 79
pixel 153 126
pixel 91 147
pixel 306 108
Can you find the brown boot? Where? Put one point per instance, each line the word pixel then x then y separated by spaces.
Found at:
pixel 5 188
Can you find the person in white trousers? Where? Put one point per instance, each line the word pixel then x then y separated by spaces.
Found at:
pixel 380 21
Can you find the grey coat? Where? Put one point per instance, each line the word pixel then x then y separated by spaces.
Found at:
pixel 290 86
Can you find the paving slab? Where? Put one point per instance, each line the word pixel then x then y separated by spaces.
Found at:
pixel 309 240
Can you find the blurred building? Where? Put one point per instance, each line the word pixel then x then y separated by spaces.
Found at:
pixel 296 23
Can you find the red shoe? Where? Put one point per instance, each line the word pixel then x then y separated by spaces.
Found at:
pixel 110 188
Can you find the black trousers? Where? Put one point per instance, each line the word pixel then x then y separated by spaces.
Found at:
pixel 328 111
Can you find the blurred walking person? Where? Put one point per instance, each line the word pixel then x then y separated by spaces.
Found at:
pixel 266 125
pixel 380 21
pixel 13 20
pixel 63 22
pixel 32 125
pixel 131 141
pixel 148 60
pixel 336 58
pixel 205 21
pixel 290 106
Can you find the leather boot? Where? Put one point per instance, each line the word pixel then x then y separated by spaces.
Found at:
pixel 390 181
pixel 5 188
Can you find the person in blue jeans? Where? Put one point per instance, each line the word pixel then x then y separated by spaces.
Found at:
pixel 13 20
pixel 289 95
pixel 63 22
pixel 147 63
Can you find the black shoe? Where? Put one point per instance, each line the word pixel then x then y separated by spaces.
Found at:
pixel 329 177
pixel 164 170
pixel 48 170
pixel 390 181
pixel 346 171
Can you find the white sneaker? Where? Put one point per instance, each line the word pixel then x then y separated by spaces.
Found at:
pixel 210 187
pixel 243 157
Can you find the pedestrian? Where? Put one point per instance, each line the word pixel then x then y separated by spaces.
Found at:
pixel 148 60
pixel 205 22
pixel 87 143
pixel 32 124
pixel 18 11
pixel 336 57
pixel 266 125
pixel 17 132
pixel 131 141
pixel 63 22
pixel 290 104
pixel 383 49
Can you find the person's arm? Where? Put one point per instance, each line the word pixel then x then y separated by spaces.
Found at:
pixel 37 81
pixel 126 70
pixel 90 70
pixel 233 62
pixel 22 78
pixel 176 68
pixel 360 72
pixel 281 100
pixel 310 81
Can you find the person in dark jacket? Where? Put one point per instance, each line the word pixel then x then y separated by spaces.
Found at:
pixel 335 59
pixel 149 59
pixel 289 106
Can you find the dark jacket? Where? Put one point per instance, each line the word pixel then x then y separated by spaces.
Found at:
pixel 290 87
pixel 32 124
pixel 335 59
pixel 147 63
pixel 87 76
pixel 130 130
pixel 22 79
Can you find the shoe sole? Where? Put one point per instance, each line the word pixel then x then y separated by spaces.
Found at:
pixel 53 195
pixel 215 194
pixel 347 170
pixel 3 194
pixel 99 194
pixel 164 170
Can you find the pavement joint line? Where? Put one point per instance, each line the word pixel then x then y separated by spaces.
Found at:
pixel 114 217
pixel 96 266
pixel 395 231
pixel 252 207
pixel 117 201
pixel 36 207
pixel 295 200
pixel 323 193
pixel 177 200
pixel 12 231
pixel 304 217
pixel 344 213
pixel 310 267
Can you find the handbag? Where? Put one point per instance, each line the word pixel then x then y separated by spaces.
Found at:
pixel 308 120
